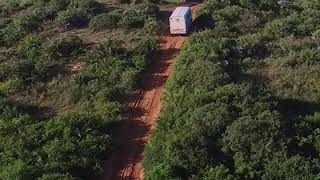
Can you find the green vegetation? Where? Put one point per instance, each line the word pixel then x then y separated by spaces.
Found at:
pixel 243 100
pixel 69 145
pixel 127 17
pixel 63 85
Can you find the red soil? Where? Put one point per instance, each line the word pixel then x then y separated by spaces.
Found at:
pixel 126 162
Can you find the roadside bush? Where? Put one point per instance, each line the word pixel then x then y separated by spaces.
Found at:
pixel 152 25
pixel 146 46
pixel 239 96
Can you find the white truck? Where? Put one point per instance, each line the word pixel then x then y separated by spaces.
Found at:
pixel 180 20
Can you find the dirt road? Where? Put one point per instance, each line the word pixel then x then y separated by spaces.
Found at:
pixel 125 163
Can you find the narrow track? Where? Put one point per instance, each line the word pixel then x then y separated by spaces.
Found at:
pixel 125 162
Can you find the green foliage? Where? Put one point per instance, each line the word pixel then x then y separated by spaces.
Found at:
pixel 72 18
pixel 11 34
pixel 133 16
pixel 104 21
pixel 242 101
pixel 11 86
pixel 78 13
pixel 295 167
pixel 151 25
pixel 63 47
pixel 219 172
pixel 30 46
pixel 35 149
pixel 62 95
pixel 113 71
pixel 161 172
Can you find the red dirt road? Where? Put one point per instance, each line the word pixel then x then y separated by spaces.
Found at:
pixel 126 162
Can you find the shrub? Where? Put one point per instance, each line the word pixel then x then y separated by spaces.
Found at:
pixel 146 46
pixel 63 47
pixel 151 25
pixel 28 22
pixel 279 27
pixel 140 62
pixel 135 16
pixel 11 34
pixel 11 86
pixel 78 13
pixel 72 18
pixel 55 6
pixel 30 46
pixel 132 19
pixel 309 56
pixel 88 6
pixel 104 21
pixel 109 48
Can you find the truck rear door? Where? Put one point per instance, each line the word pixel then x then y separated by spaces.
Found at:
pixel 177 25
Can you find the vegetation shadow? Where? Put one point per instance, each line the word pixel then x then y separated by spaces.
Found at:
pixel 295 107
pixel 157 74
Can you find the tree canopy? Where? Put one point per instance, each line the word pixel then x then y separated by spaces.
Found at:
pixel 242 102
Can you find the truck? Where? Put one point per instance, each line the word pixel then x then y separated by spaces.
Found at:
pixel 180 20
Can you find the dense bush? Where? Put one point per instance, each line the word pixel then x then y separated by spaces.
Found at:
pixel 104 21
pixel 10 34
pixel 72 18
pixel 63 47
pixel 30 46
pixel 152 25
pixel 62 95
pixel 53 148
pixel 113 72
pixel 133 16
pixel 78 13
pixel 242 102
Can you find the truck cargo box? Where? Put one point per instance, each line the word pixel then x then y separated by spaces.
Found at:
pixel 180 20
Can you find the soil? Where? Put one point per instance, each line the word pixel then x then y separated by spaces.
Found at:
pixel 126 161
